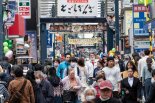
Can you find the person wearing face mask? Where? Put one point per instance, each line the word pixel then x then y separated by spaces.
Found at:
pixel 106 93
pixel 151 96
pixel 46 87
pixel 56 63
pixel 90 95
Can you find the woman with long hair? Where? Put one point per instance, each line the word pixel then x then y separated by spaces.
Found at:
pixel 57 85
pixel 130 65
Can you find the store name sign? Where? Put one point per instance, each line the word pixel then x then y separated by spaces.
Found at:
pixel 77 8
pixel 24 8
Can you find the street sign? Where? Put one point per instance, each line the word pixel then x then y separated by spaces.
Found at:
pixel 24 8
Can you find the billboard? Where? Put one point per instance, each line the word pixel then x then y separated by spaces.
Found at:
pixel 80 8
pixel 139 19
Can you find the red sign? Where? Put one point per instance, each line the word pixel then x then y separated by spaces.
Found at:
pixel 24 9
pixel 77 1
pixel 24 13
pixel 140 8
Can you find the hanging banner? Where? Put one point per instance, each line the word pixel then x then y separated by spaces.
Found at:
pixel 32 38
pixel 24 8
pixel 84 41
pixel 49 44
pixel 84 8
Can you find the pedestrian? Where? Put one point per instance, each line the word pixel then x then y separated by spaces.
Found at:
pixel 45 86
pixel 99 67
pixel 91 65
pixel 57 85
pixel 56 63
pixel 147 75
pixel 17 84
pixel 71 87
pixel 106 93
pixel 131 88
pixel 4 92
pixel 89 95
pixel 130 65
pixel 63 66
pixel 99 79
pixel 150 98
pixel 36 88
pixel 113 74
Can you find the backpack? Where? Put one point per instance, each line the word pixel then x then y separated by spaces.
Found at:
pixel 17 95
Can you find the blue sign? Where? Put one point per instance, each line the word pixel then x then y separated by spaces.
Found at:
pixel 139 19
pixel 49 40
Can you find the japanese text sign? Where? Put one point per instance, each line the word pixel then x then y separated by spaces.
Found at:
pixel 24 8
pixel 83 8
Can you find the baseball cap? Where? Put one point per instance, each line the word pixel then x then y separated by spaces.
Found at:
pixel 105 84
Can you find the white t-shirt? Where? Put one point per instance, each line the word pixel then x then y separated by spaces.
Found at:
pixel 91 67
pixel 113 74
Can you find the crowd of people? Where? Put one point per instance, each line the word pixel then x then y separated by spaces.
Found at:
pixel 106 79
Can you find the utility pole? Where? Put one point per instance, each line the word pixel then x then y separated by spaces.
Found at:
pixel 117 23
pixel 1 30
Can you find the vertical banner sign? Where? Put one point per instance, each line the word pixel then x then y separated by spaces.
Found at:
pixel 139 19
pixel 24 8
pixel 49 45
pixel 77 8
pixel 32 38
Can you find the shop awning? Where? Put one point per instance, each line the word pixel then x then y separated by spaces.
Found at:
pixel 18 28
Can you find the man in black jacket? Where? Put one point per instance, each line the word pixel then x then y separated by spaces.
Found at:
pixel 106 93
pixel 131 87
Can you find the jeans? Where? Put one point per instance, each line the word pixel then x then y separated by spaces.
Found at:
pixel 147 87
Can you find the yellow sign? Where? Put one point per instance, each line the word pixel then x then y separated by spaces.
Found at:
pixel 84 41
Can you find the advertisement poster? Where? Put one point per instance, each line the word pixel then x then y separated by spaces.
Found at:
pixel 9 14
pixel 77 8
pixel 32 39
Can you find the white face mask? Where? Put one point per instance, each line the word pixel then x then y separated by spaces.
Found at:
pixel 38 81
pixel 56 64
pixel 90 98
pixel 104 99
pixel 73 65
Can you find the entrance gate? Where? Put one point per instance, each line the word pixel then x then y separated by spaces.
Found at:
pixel 43 31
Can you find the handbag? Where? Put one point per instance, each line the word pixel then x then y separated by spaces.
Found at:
pixel 67 95
pixel 17 95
